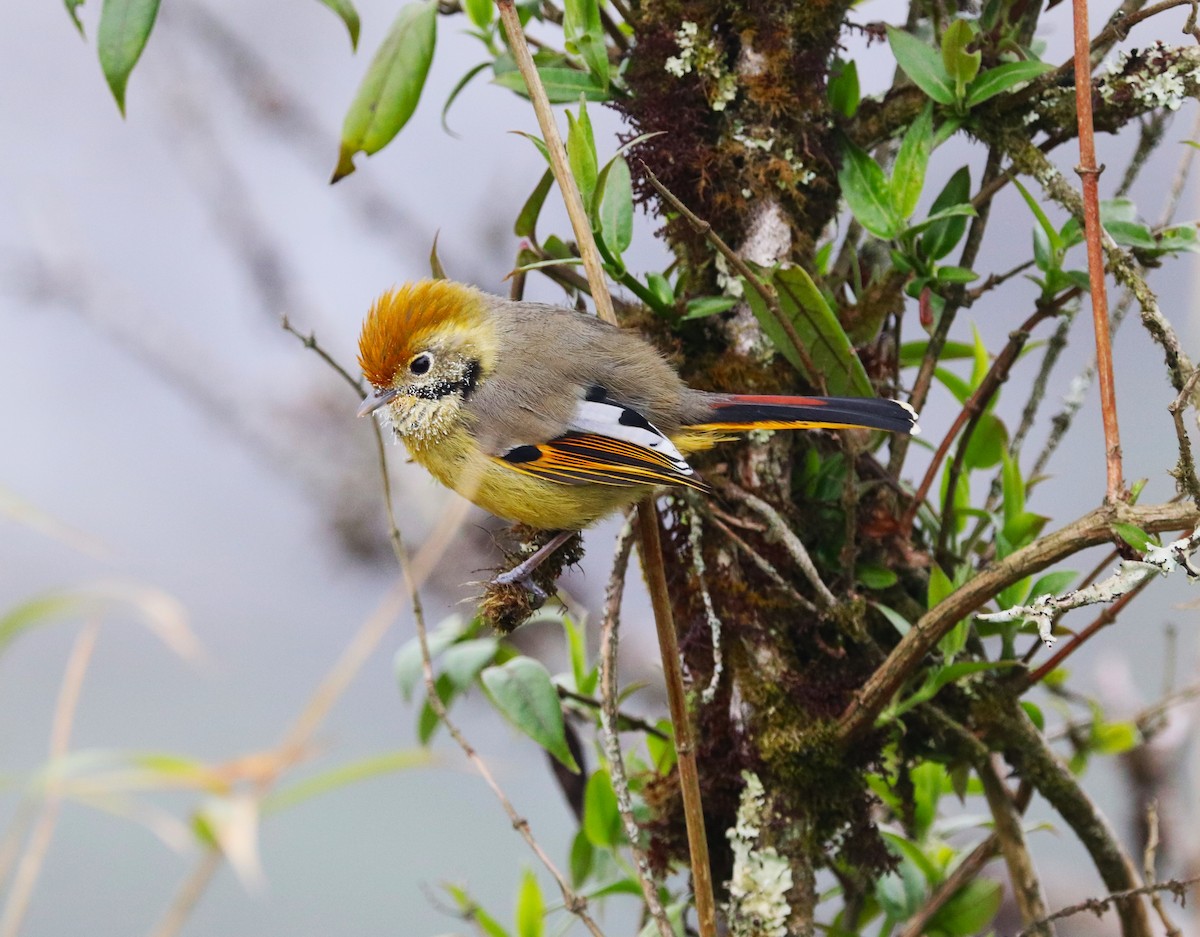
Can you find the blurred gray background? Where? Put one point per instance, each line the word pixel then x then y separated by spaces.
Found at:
pixel 160 429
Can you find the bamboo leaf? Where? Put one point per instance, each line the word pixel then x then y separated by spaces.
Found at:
pixel 818 328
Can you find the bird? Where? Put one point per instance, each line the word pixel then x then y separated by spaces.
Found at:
pixel 553 418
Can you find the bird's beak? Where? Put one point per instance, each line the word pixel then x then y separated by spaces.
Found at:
pixel 381 399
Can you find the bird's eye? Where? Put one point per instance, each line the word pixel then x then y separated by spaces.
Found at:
pixel 421 363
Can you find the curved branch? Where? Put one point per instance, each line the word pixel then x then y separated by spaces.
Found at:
pixel 1091 529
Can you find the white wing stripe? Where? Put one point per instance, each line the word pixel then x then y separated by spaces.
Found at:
pixel 603 417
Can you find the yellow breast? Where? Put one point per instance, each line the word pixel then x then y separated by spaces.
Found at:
pixel 457 462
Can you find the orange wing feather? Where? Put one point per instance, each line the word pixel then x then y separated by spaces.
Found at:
pixel 592 459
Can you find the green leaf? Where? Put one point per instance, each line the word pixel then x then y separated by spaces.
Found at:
pixel 615 211
pixel 563 85
pixel 902 892
pixel 898 621
pixel 73 11
pixel 930 782
pixel 585 36
pixel 343 775
pixel 583 855
pixel 1051 584
pixel 969 911
pixel 436 270
pixel 348 15
pixel 1035 714
pixel 818 328
pixel 531 909
pixel 908 174
pixel 662 750
pixel 407 663
pixel 939 588
pixel 125 26
pixel 524 694
pixel 702 307
pixel 536 141
pixel 661 289
pixel 1002 78
pixel 472 912
pixel 911 353
pixel 392 86
pixel 844 92
pixel 581 153
pixel 1115 738
pixel 867 192
pixel 33 613
pixel 526 223
pixel 987 444
pixel 428 719
pixel 480 12
pixel 955 275
pixel 1052 236
pixel 954 211
pixel 458 88
pixel 962 66
pixel 1131 234
pixel 1134 536
pixel 463 661
pixel 922 64
pixel 876 577
pixel 601 816
pixel 941 237
pixel 1013 489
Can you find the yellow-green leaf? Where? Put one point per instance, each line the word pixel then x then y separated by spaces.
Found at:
pixel 392 86
pixel 348 15
pixel 124 28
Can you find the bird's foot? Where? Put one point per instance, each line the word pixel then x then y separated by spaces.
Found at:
pixel 512 596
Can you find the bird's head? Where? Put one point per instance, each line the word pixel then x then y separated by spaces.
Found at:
pixel 424 348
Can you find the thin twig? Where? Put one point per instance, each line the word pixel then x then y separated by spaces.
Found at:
pixel 696 542
pixel 30 866
pixel 761 562
pixel 1027 890
pixel 558 159
pixel 625 722
pixel 972 409
pixel 1185 472
pixel 1148 870
pixel 1090 174
pixel 1007 727
pixel 652 561
pixel 780 530
pixel 609 726
pixel 685 745
pixel 1177 887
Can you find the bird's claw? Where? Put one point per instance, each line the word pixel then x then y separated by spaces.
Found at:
pixel 524 578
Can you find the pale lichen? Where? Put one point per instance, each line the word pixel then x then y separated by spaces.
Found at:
pixel 761 880
pixel 707 60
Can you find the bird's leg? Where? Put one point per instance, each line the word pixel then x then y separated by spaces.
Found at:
pixel 522 573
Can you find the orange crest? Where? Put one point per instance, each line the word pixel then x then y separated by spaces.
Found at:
pixel 402 321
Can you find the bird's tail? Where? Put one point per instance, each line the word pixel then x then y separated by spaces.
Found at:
pixel 743 412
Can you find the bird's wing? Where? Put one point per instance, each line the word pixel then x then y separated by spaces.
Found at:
pixel 607 443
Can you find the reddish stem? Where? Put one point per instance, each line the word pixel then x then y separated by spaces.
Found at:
pixel 1090 174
